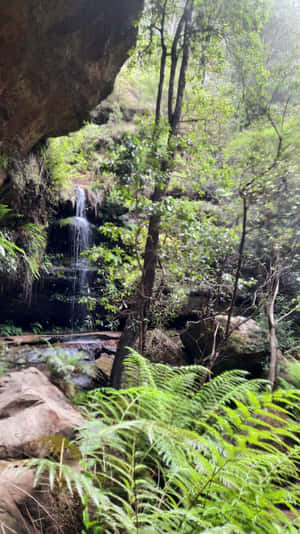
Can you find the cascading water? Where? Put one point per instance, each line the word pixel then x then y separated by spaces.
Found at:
pixel 81 241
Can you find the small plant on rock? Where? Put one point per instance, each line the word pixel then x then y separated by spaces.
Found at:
pixel 64 366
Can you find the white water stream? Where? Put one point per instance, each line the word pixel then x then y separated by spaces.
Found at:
pixel 81 232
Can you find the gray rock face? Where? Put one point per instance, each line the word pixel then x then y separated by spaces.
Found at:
pixel 246 348
pixel 58 60
pixel 161 348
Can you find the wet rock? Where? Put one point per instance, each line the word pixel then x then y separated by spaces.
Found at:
pixel 110 346
pixel 199 302
pixel 98 379
pixel 3 176
pixel 102 112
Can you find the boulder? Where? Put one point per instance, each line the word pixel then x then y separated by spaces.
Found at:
pixel 26 509
pixel 161 348
pixel 105 364
pixel 15 486
pixel 58 60
pixel 200 301
pixel 246 348
pixel 30 409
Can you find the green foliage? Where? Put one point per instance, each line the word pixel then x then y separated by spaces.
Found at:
pixel 264 65
pixel 9 329
pixel 4 161
pixel 62 364
pixel 194 241
pixel 67 157
pixel 8 249
pixel 118 257
pixel 135 87
pixel 287 329
pixel 36 328
pixel 76 156
pixel 36 243
pixel 12 257
pixel 292 369
pixel 171 455
pixel 117 264
pixel 254 148
pixel 65 222
pixel 4 210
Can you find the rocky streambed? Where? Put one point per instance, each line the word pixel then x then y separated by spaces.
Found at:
pixel 86 359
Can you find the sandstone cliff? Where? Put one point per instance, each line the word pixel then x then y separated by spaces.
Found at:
pixel 58 59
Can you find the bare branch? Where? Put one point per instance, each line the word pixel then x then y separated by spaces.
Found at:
pixel 286 315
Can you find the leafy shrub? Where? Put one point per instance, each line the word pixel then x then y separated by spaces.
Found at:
pixel 8 249
pixel 62 364
pixel 74 155
pixel 36 328
pixel 9 329
pixel 292 370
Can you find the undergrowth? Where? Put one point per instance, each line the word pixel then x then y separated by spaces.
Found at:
pixel 171 454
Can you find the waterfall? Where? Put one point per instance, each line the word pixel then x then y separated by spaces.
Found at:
pixel 81 241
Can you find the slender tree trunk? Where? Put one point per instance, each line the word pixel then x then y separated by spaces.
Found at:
pixel 149 267
pixel 162 70
pixel 174 60
pixel 175 120
pixel 137 320
pixel 127 339
pixel 272 328
pixel 239 266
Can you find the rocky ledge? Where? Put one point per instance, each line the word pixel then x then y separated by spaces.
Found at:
pixel 58 60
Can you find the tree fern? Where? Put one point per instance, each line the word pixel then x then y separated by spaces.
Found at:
pixel 166 457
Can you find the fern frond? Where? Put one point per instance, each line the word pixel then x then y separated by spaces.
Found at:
pixel 164 457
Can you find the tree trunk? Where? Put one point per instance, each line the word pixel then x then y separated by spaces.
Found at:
pixel 162 70
pixel 272 329
pixel 137 320
pixel 238 269
pixel 127 339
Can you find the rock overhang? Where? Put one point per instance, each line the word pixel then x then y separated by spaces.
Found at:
pixel 58 60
